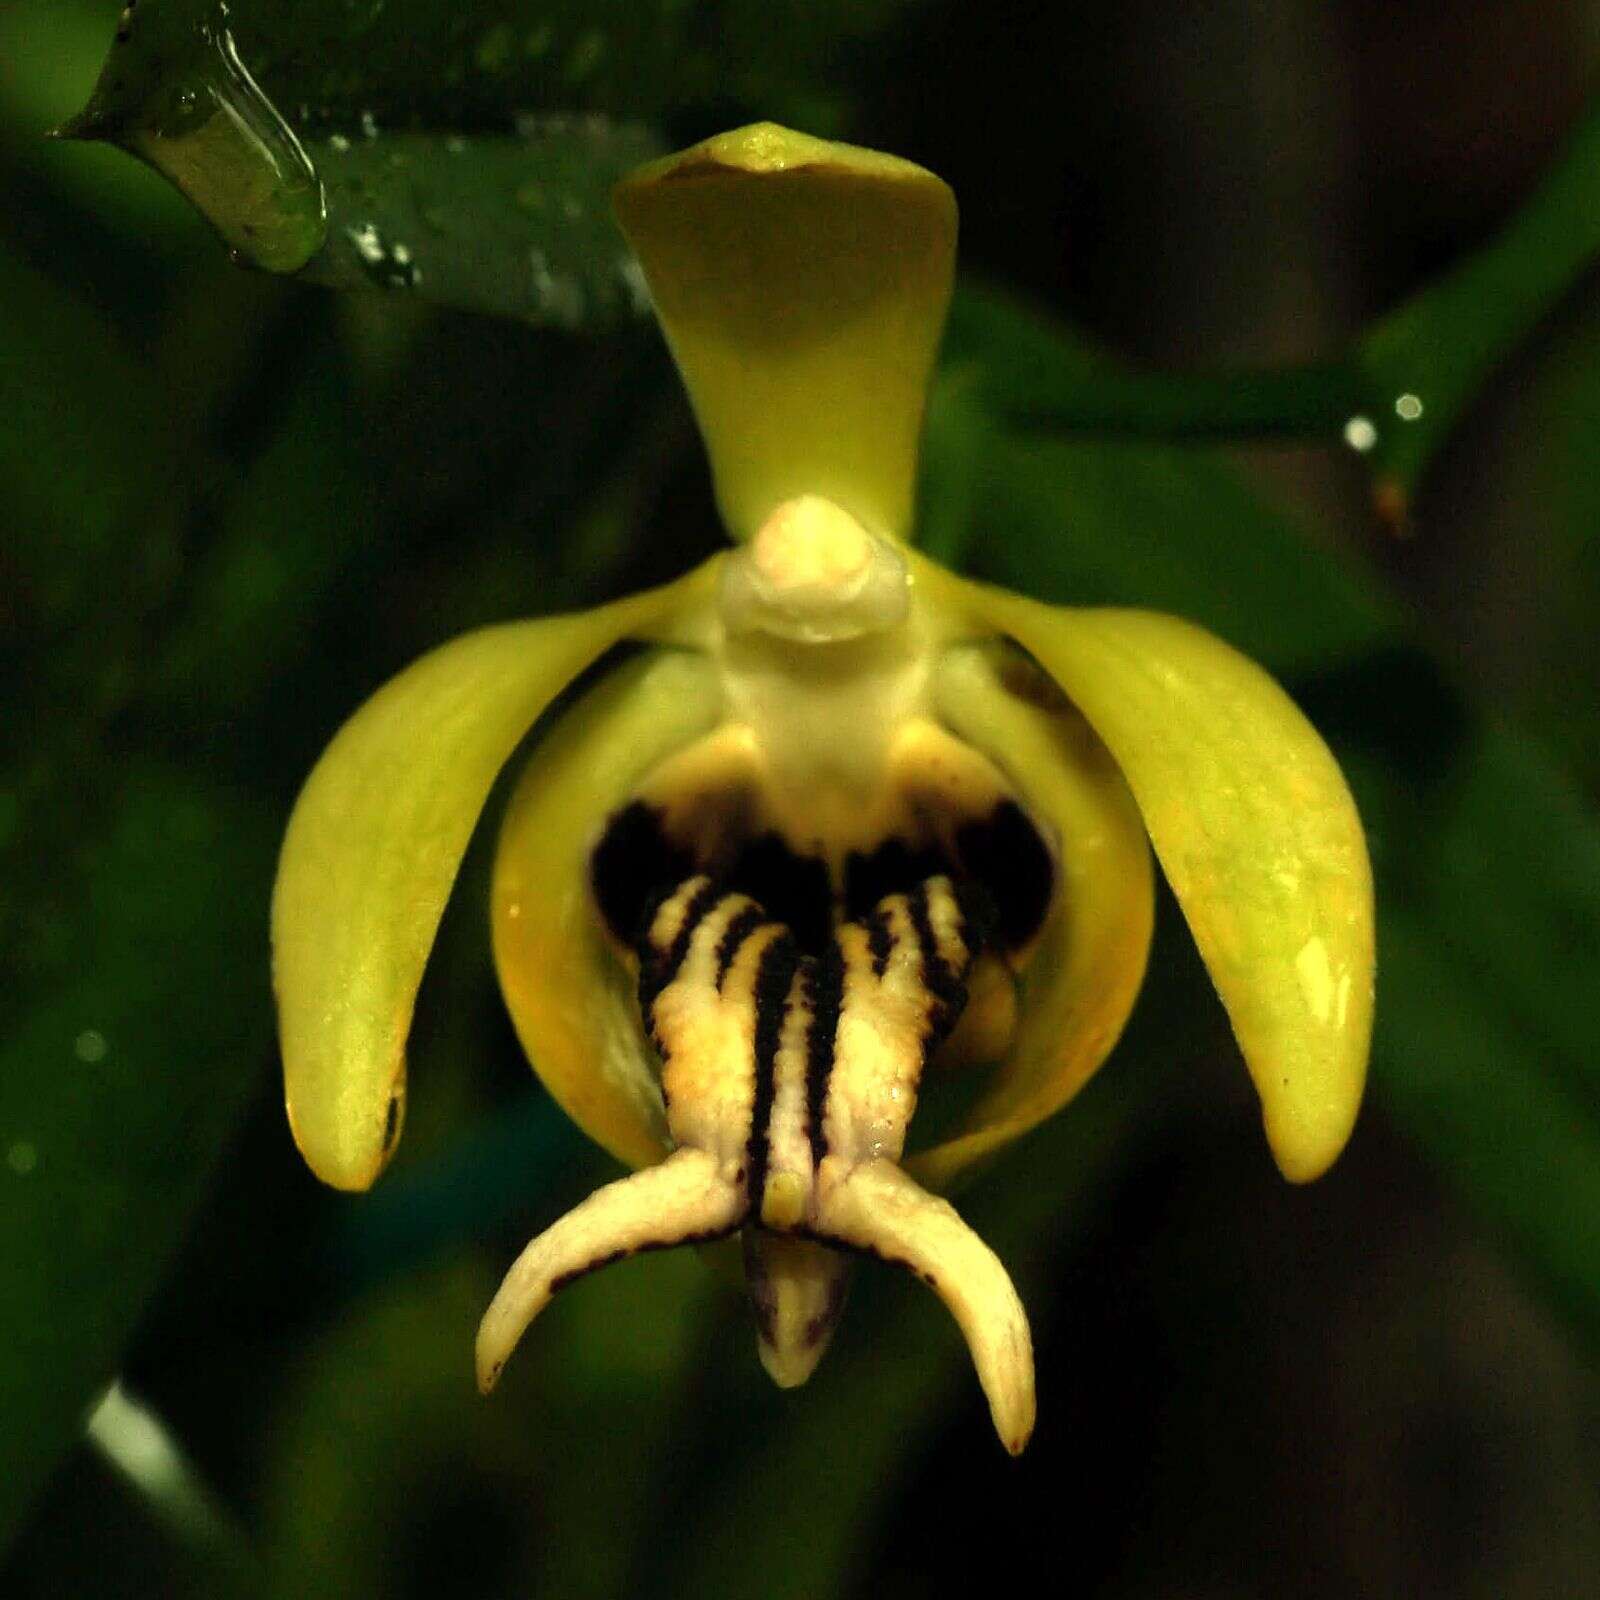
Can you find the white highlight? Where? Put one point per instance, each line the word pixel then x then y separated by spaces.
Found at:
pixel 130 1435
pixel 135 1441
pixel 1360 434
pixel 1316 979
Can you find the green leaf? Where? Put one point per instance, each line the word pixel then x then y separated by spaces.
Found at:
pixel 1488 1106
pixel 70 466
pixel 1545 648
pixel 465 152
pixel 469 64
pixel 1090 523
pixel 518 225
pixel 118 1084
pixel 75 475
pixel 133 913
pixel 1487 861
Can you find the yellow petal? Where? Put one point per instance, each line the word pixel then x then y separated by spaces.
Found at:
pixel 1259 838
pixel 372 849
pixel 1081 982
pixel 802 286
pixel 571 999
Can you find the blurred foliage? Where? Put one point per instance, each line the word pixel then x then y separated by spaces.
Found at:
pixel 233 504
pixel 1396 397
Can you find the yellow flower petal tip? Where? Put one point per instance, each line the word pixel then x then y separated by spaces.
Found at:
pixel 844 835
pixel 803 286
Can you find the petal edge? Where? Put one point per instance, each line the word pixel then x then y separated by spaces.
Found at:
pixel 372 849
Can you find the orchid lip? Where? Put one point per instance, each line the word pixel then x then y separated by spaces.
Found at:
pixel 790 1081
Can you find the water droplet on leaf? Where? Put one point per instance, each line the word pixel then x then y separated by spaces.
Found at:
pixel 388 266
pixel 90 1046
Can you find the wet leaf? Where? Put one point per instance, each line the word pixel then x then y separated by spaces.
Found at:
pixel 414 63
pixel 464 152
pixel 518 225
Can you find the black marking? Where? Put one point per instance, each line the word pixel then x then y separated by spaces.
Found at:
pixel 634 865
pixel 794 889
pixel 827 1318
pixel 880 942
pixel 765 1306
pixel 825 985
pixel 894 867
pixel 773 981
pixel 854 1247
pixel 709 1236
pixel 1005 854
pixel 947 987
pixel 391 1120
pixel 759 1286
pixel 658 968
pixel 978 917
pixel 739 928
pixel 942 982
pixel 764 1300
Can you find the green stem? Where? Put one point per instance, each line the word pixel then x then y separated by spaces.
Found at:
pixel 1031 374
pixel 1311 401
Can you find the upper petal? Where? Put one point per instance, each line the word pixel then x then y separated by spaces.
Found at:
pixel 373 847
pixel 1258 834
pixel 802 286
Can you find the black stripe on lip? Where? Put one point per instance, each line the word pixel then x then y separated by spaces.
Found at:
pixel 774 978
pixel 825 981
pixel 657 970
pixel 743 924
pixel 1005 853
pixel 710 1236
pixel 880 941
pixel 946 987
pixel 634 868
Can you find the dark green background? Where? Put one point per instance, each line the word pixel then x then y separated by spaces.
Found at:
pixel 1197 241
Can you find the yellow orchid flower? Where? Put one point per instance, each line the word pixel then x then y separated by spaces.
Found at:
pixel 843 819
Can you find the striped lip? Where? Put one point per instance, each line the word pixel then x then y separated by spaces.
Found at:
pixel 790 1078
